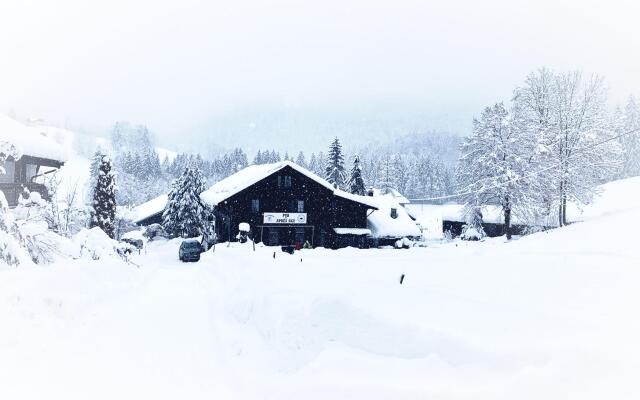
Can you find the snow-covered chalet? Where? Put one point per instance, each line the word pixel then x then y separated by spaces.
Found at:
pixel 285 204
pixel 40 155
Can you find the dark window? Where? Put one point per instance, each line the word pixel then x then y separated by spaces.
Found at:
pixel 394 213
pixel 300 206
pixel 291 206
pixel 255 205
pixel 284 181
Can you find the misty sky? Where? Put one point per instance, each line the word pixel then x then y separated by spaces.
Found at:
pixel 253 72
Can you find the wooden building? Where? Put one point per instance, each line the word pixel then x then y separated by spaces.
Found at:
pixel 284 204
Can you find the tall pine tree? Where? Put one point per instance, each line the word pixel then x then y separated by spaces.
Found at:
pixel 356 184
pixel 334 171
pixel 104 198
pixel 301 160
pixel 185 215
pixel 94 168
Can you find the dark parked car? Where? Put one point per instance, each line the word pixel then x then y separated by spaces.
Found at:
pixel 137 243
pixel 190 250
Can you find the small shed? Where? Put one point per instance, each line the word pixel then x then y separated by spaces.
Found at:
pixel 390 222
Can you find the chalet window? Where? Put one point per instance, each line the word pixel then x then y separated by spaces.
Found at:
pixel 300 206
pixel 31 171
pixel 394 213
pixel 9 169
pixel 291 206
pixel 255 205
pixel 284 181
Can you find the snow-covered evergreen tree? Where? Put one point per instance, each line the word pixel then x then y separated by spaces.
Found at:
pixel 96 160
pixel 334 171
pixel 356 183
pixel 103 214
pixel 401 174
pixel 257 159
pixel 387 174
pixel 185 215
pixel 301 160
pixel 472 229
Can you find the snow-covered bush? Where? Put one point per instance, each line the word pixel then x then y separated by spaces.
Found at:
pixel 44 245
pixel 12 250
pixel 403 243
pixel 66 212
pixel 12 246
pixel 473 230
pixel 94 243
pixel 472 233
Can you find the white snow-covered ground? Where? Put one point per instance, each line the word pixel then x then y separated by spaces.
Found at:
pixel 552 315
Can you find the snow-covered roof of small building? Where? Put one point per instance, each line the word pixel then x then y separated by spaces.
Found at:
pixel 383 225
pixel 400 198
pixel 149 209
pixel 31 141
pixel 252 174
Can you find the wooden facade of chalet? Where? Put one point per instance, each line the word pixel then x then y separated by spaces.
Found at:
pixel 289 208
pixel 26 173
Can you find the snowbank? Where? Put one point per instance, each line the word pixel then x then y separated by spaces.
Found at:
pixel 616 196
pixel 551 322
pixel 95 244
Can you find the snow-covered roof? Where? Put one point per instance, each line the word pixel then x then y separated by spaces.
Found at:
pixel 383 225
pixel 400 198
pixel 252 174
pixel 149 209
pixel 352 231
pixel 239 181
pixel 31 141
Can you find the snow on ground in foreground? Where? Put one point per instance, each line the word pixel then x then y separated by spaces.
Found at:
pixel 552 315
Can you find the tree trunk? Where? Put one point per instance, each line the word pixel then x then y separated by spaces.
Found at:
pixel 564 210
pixel 560 209
pixel 507 222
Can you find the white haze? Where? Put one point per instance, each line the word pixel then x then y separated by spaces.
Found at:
pixel 257 73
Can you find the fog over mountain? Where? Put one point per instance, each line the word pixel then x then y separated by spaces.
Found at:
pixel 259 73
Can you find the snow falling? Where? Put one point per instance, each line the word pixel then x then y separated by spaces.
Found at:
pixel 322 212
